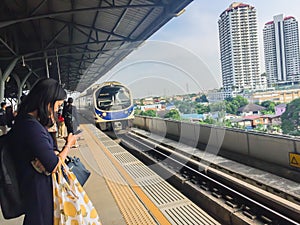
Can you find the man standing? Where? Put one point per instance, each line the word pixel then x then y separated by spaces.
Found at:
pixel 3 119
pixel 70 116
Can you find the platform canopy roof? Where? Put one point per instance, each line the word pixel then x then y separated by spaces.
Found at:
pixel 79 40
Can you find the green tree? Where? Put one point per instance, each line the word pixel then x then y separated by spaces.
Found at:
pixel 202 98
pixel 232 104
pixel 241 100
pixel 142 101
pixel 218 106
pixel 270 106
pixel 201 109
pixel 231 107
pixel 186 107
pixel 137 111
pixel 173 114
pixel 209 120
pixel 150 113
pixel 228 123
pixel 290 119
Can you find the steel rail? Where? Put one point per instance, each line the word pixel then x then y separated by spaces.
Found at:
pixel 158 150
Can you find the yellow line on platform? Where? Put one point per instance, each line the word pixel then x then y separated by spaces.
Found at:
pixel 154 210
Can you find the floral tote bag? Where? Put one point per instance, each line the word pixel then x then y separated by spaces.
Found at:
pixel 71 204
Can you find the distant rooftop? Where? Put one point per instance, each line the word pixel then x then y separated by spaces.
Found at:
pixel 251 108
pixel 285 18
pixel 236 5
pixel 289 17
pixel 270 22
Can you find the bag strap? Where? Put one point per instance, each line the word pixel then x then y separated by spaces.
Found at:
pixel 58 176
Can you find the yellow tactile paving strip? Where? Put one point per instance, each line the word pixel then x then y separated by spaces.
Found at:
pixel 132 201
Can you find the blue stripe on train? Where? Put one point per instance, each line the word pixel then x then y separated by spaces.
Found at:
pixel 115 115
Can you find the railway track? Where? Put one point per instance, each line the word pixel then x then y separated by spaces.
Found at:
pixel 227 198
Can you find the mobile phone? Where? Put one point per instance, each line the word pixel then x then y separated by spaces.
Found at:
pixel 77 132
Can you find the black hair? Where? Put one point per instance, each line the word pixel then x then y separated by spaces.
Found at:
pixel 70 100
pixel 45 91
pixel 3 104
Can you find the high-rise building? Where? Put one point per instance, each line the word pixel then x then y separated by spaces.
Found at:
pixel 281 48
pixel 239 48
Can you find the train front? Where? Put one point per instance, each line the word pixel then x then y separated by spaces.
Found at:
pixel 113 106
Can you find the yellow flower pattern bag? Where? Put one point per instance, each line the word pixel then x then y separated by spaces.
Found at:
pixel 72 206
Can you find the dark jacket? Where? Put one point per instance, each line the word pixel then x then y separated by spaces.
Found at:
pixel 30 140
pixel 3 119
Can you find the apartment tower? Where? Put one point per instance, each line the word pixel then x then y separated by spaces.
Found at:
pixel 238 36
pixel 281 48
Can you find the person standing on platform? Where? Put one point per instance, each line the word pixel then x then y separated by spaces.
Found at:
pixel 70 116
pixel 34 151
pixel 3 118
pixel 53 131
pixel 61 124
pixel 9 116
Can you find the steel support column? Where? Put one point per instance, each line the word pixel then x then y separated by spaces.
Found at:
pixel 4 76
pixel 20 88
pixel 2 86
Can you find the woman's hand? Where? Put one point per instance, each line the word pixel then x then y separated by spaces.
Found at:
pixel 38 166
pixel 71 140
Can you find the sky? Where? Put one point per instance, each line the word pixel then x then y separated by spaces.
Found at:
pixel 183 56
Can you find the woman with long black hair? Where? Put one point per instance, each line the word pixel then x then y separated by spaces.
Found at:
pixel 34 150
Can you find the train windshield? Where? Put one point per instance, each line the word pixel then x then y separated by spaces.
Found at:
pixel 114 97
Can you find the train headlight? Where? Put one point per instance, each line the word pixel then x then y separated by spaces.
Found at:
pixel 104 114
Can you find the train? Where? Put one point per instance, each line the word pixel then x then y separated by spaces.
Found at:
pixel 110 104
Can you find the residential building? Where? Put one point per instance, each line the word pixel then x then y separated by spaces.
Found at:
pixel 154 107
pixel 250 109
pixel 281 96
pixel 238 37
pixel 218 95
pixel 251 121
pixel 147 101
pixel 281 48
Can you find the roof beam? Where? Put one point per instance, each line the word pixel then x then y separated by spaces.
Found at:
pixel 61 55
pixel 8 47
pixel 74 11
pixel 72 46
pixel 34 11
pixel 90 34
pixel 93 28
pixel 56 36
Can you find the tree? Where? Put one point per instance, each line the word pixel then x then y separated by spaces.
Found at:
pixel 241 100
pixel 218 106
pixel 137 111
pixel 208 120
pixel 201 109
pixel 269 105
pixel 185 108
pixel 150 113
pixel 290 119
pixel 173 114
pixel 203 98
pixel 232 104
pixel 142 101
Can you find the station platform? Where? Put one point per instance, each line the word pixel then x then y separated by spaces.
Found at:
pixel 125 191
